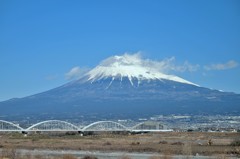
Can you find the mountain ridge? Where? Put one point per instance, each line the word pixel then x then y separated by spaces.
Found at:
pixel 124 94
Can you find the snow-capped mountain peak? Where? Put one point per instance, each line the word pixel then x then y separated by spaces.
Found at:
pixel 130 66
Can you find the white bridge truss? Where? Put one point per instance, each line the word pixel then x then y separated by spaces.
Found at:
pixel 58 125
pixel 53 125
pixel 8 126
pixel 105 126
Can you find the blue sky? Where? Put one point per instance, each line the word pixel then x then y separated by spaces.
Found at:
pixel 42 40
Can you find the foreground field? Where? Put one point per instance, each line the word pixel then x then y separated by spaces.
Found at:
pixel 171 143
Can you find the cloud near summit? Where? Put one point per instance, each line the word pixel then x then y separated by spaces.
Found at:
pixel 76 72
pixel 166 65
pixel 221 66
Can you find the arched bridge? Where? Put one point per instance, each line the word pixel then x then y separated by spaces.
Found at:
pixel 53 125
pixel 9 126
pixel 105 126
pixel 58 125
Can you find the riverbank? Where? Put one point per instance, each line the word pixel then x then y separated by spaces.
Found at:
pixel 170 143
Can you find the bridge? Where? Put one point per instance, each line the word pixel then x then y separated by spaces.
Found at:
pixel 99 126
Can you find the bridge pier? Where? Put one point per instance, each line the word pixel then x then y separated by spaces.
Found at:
pixel 24 132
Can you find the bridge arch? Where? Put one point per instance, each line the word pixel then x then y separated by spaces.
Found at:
pixel 9 126
pixel 53 125
pixel 105 126
pixel 149 125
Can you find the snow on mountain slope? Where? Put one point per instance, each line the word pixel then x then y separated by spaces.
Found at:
pixel 111 90
pixel 130 66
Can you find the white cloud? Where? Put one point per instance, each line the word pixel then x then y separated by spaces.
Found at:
pixel 125 59
pixel 189 67
pixel 169 64
pixel 222 66
pixel 76 72
pixel 165 65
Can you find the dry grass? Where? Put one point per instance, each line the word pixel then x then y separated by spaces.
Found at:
pixel 8 154
pixel 187 150
pixel 171 143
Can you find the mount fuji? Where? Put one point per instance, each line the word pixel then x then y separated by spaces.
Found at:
pixel 125 86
